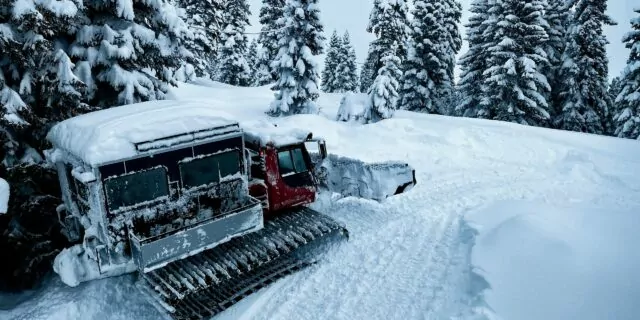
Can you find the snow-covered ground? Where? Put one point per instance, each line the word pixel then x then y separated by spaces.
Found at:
pixel 506 221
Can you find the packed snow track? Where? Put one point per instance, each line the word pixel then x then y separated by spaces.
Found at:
pixel 409 256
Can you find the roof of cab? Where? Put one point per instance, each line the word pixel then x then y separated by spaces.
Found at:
pixel 116 133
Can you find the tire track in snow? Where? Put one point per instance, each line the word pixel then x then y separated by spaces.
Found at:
pixel 398 259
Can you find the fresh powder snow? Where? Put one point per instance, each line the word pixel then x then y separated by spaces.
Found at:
pixel 416 255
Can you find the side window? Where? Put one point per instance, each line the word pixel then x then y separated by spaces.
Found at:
pixel 285 163
pixel 298 160
pixel 291 161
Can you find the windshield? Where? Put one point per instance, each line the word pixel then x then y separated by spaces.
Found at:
pixel 135 188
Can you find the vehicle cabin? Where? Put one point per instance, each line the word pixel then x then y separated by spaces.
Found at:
pixel 148 171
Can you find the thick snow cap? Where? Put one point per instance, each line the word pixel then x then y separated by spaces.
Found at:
pixel 263 133
pixel 112 134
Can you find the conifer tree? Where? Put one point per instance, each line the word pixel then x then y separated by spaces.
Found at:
pixel 516 87
pixel 300 38
pixel 383 93
pixel 270 14
pixel 557 17
pixel 233 67
pixel 263 74
pixel 389 22
pixel 473 63
pixel 252 58
pixel 331 63
pixel 627 119
pixel 204 18
pixel 367 74
pixel 128 53
pixel 346 71
pixel 584 73
pixel 37 83
pixel 428 72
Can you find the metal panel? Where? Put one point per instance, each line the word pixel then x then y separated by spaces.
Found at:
pixel 154 252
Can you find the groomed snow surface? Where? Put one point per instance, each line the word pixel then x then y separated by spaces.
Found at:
pixel 506 222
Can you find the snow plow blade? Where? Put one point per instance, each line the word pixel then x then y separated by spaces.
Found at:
pixel 203 285
pixel 355 178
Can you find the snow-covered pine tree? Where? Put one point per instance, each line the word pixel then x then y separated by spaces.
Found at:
pixel 383 93
pixel 627 119
pixel 300 39
pixel 262 74
pixel 37 84
pixel 516 86
pixel 233 67
pixel 346 71
pixel 389 22
pixel 615 87
pixel 204 18
pixel 557 17
pixel 331 63
pixel 427 82
pixel 252 59
pixel 584 73
pixel 270 14
pixel 473 63
pixel 367 74
pixel 126 53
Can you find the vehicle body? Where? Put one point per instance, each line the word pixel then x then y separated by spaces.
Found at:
pixel 180 193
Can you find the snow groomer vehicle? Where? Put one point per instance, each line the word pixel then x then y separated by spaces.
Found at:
pixel 204 211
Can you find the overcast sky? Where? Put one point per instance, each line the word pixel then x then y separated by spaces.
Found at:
pixel 353 15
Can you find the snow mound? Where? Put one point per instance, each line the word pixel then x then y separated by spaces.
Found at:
pixel 4 196
pixel 353 107
pixel 552 262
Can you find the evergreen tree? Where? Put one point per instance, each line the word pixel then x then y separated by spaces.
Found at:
pixel 584 99
pixel 557 17
pixel 627 119
pixel 383 94
pixel 428 77
pixel 516 87
pixel 367 73
pixel 252 58
pixel 263 74
pixel 331 63
pixel 300 39
pixel 346 71
pixel 128 54
pixel 204 18
pixel 473 63
pixel 389 22
pixel 233 67
pixel 270 13
pixel 37 83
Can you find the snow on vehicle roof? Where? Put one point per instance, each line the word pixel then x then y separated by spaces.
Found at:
pixel 263 133
pixel 112 134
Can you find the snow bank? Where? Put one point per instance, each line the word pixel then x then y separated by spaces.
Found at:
pixel 546 262
pixel 4 196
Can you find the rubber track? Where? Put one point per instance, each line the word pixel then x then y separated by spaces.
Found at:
pixel 206 284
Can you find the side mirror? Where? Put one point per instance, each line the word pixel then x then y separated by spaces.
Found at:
pixel 322 147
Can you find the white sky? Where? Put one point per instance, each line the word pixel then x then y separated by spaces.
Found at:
pixel 353 15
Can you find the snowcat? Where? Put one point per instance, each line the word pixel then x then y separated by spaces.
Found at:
pixel 205 211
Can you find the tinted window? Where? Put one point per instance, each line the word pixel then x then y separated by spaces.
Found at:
pixel 199 172
pixel 229 163
pixel 135 188
pixel 285 163
pixel 298 160
pixel 210 169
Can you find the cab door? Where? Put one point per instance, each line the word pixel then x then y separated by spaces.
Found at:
pixel 291 183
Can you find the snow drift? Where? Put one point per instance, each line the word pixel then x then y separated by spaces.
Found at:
pixel 558 262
